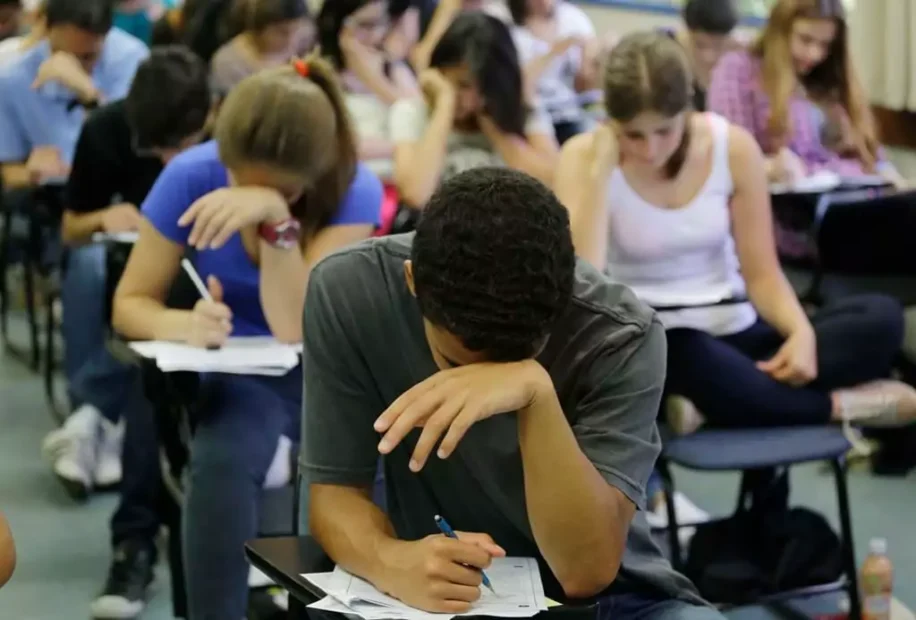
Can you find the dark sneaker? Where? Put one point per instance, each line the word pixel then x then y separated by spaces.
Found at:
pixel 129 578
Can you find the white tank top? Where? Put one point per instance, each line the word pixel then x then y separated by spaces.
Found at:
pixel 673 258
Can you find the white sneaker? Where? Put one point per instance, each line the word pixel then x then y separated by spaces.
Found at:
pixel 879 404
pixel 108 466
pixel 72 450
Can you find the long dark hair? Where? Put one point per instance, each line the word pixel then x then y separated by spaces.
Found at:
pixel 649 72
pixel 331 20
pixel 485 45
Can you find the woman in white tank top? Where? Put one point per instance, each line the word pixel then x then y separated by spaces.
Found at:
pixel 675 204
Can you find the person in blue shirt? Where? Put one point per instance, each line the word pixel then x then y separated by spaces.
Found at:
pixel 278 189
pixel 45 92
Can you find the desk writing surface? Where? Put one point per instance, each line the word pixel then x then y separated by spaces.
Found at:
pixel 286 558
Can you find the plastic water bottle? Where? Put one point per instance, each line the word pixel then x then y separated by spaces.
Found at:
pixel 876 580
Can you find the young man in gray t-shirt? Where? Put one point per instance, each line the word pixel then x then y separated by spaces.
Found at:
pixel 510 388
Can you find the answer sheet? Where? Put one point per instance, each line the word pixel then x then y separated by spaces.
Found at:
pixel 519 593
pixel 243 356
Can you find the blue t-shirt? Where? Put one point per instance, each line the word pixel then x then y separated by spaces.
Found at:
pixel 49 116
pixel 197 172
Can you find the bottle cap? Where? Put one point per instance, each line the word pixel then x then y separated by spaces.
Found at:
pixel 878 546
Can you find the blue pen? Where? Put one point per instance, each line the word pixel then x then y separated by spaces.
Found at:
pixel 446 529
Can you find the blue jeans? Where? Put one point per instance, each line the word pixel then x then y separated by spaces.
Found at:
pixel 637 607
pixel 94 376
pixel 241 421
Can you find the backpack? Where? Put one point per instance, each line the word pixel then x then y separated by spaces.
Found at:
pixel 753 554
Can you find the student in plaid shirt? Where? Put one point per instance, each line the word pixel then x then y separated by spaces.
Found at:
pixel 796 91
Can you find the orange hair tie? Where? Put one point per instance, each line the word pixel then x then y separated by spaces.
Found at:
pixel 302 68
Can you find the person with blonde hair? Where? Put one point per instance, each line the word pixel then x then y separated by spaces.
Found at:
pixel 796 91
pixel 674 204
pixel 278 189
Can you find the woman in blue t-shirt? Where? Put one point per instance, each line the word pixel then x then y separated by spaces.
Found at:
pixel 278 189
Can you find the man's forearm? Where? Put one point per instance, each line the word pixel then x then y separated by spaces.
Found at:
pixel 352 530
pixel 15 176
pixel 579 521
pixel 77 228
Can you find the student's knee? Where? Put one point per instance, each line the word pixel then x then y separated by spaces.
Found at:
pixel 227 455
pixel 882 317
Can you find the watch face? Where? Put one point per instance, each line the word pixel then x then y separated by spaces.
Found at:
pixel 286 234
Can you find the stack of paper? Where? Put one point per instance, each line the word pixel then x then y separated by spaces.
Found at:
pixel 240 356
pixel 124 237
pixel 519 593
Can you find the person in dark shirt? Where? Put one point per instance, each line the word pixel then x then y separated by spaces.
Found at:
pixel 121 150
pixel 10 18
pixel 540 376
pixel 706 36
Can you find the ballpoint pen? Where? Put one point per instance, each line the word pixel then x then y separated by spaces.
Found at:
pixel 188 267
pixel 446 529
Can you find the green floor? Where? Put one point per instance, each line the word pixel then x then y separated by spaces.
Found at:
pixel 63 548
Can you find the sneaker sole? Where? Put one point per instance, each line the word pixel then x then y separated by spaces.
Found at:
pixel 115 608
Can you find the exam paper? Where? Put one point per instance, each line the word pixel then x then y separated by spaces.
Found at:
pixel 123 237
pixel 517 581
pixel 241 356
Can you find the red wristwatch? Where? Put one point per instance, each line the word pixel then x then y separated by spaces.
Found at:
pixel 283 235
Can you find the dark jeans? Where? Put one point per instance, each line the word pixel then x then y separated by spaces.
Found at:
pixel 637 607
pixel 94 376
pixel 241 421
pixel 857 341
pixel 145 503
pixel 567 129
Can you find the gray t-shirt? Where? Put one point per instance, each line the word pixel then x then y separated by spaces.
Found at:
pixel 365 346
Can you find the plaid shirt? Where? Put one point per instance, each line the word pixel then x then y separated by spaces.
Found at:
pixel 736 92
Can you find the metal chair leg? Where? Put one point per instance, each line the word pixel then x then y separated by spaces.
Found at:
pixel 5 242
pixel 50 361
pixel 849 554
pixel 674 541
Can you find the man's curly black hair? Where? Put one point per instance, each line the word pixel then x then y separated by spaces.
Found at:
pixel 493 262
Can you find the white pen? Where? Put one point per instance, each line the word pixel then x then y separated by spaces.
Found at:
pixel 195 278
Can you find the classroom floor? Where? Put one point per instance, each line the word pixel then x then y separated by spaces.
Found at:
pixel 63 547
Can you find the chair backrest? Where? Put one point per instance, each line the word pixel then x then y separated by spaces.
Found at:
pixel 870 237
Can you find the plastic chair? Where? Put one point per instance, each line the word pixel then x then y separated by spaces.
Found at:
pixel 754 449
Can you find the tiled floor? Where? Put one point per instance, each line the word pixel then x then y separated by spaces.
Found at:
pixel 63 548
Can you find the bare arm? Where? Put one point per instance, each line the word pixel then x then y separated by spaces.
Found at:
pixel 418 165
pixel 579 521
pixel 7 552
pixel 15 176
pixel 388 90
pixel 535 155
pixel 352 530
pixel 752 227
pixel 285 274
pixel 445 14
pixel 76 228
pixel 139 302
pixel 581 187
